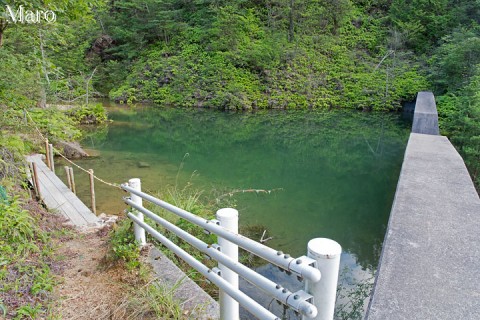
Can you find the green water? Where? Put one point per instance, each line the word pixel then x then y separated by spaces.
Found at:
pixel 333 173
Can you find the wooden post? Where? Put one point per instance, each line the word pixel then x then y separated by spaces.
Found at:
pixel 69 179
pixel 35 180
pixel 30 167
pixel 72 179
pixel 52 165
pixel 47 152
pixel 92 191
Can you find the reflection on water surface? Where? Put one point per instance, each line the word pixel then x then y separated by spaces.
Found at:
pixel 333 174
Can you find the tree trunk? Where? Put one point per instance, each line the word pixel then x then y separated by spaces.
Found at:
pixel 3 26
pixel 41 93
pixel 42 101
pixel 44 63
pixel 336 25
pixel 290 25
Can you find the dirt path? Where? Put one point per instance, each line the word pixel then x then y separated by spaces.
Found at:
pixel 90 288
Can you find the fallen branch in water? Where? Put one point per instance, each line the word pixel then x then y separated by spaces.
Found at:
pixel 263 239
pixel 257 191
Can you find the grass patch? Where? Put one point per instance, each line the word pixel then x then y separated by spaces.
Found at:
pixel 151 301
pixel 123 246
pixel 147 299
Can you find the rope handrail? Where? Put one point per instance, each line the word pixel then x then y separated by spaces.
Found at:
pixel 111 184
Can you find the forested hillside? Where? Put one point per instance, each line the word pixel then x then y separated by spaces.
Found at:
pixel 259 54
pixel 246 54
pixel 58 56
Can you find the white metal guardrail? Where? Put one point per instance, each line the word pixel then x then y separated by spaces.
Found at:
pixel 319 269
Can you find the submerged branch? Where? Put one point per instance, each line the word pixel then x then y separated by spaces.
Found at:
pixel 257 191
pixel 263 239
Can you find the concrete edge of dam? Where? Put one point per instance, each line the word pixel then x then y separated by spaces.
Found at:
pixel 430 262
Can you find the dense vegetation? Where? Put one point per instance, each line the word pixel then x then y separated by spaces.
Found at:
pixel 225 54
pixel 370 55
pixel 27 261
pixel 248 54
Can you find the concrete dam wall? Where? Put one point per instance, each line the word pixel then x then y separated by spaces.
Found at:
pixel 430 262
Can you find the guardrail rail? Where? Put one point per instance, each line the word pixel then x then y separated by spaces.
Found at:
pixel 318 269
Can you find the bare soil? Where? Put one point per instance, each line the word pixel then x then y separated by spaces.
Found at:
pixel 90 287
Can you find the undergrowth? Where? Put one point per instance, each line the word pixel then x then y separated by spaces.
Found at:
pixel 26 258
pixel 152 301
pixel 147 299
pixel 27 262
pixel 123 246
pixel 191 200
pixel 88 114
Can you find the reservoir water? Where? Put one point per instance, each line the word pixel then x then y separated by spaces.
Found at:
pixel 300 174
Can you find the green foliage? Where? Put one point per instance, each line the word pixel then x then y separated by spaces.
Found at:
pixel 17 228
pixel 155 299
pixel 454 60
pixel 90 114
pixel 242 59
pixel 25 276
pixel 148 21
pixel 226 55
pixel 123 245
pixel 12 150
pixel 190 199
pixel 18 88
pixel 56 124
pixel 424 23
pixel 459 117
pixel 13 147
pixel 124 94
pixel 29 312
pixel 456 76
pixel 15 144
pixel 45 62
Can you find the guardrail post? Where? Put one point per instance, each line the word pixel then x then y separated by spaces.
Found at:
pixel 229 308
pixel 139 231
pixel 327 254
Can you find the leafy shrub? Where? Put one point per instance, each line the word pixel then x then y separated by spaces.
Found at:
pixel 459 117
pixel 90 114
pixel 55 124
pixel 17 228
pixel 123 245
pixel 25 253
